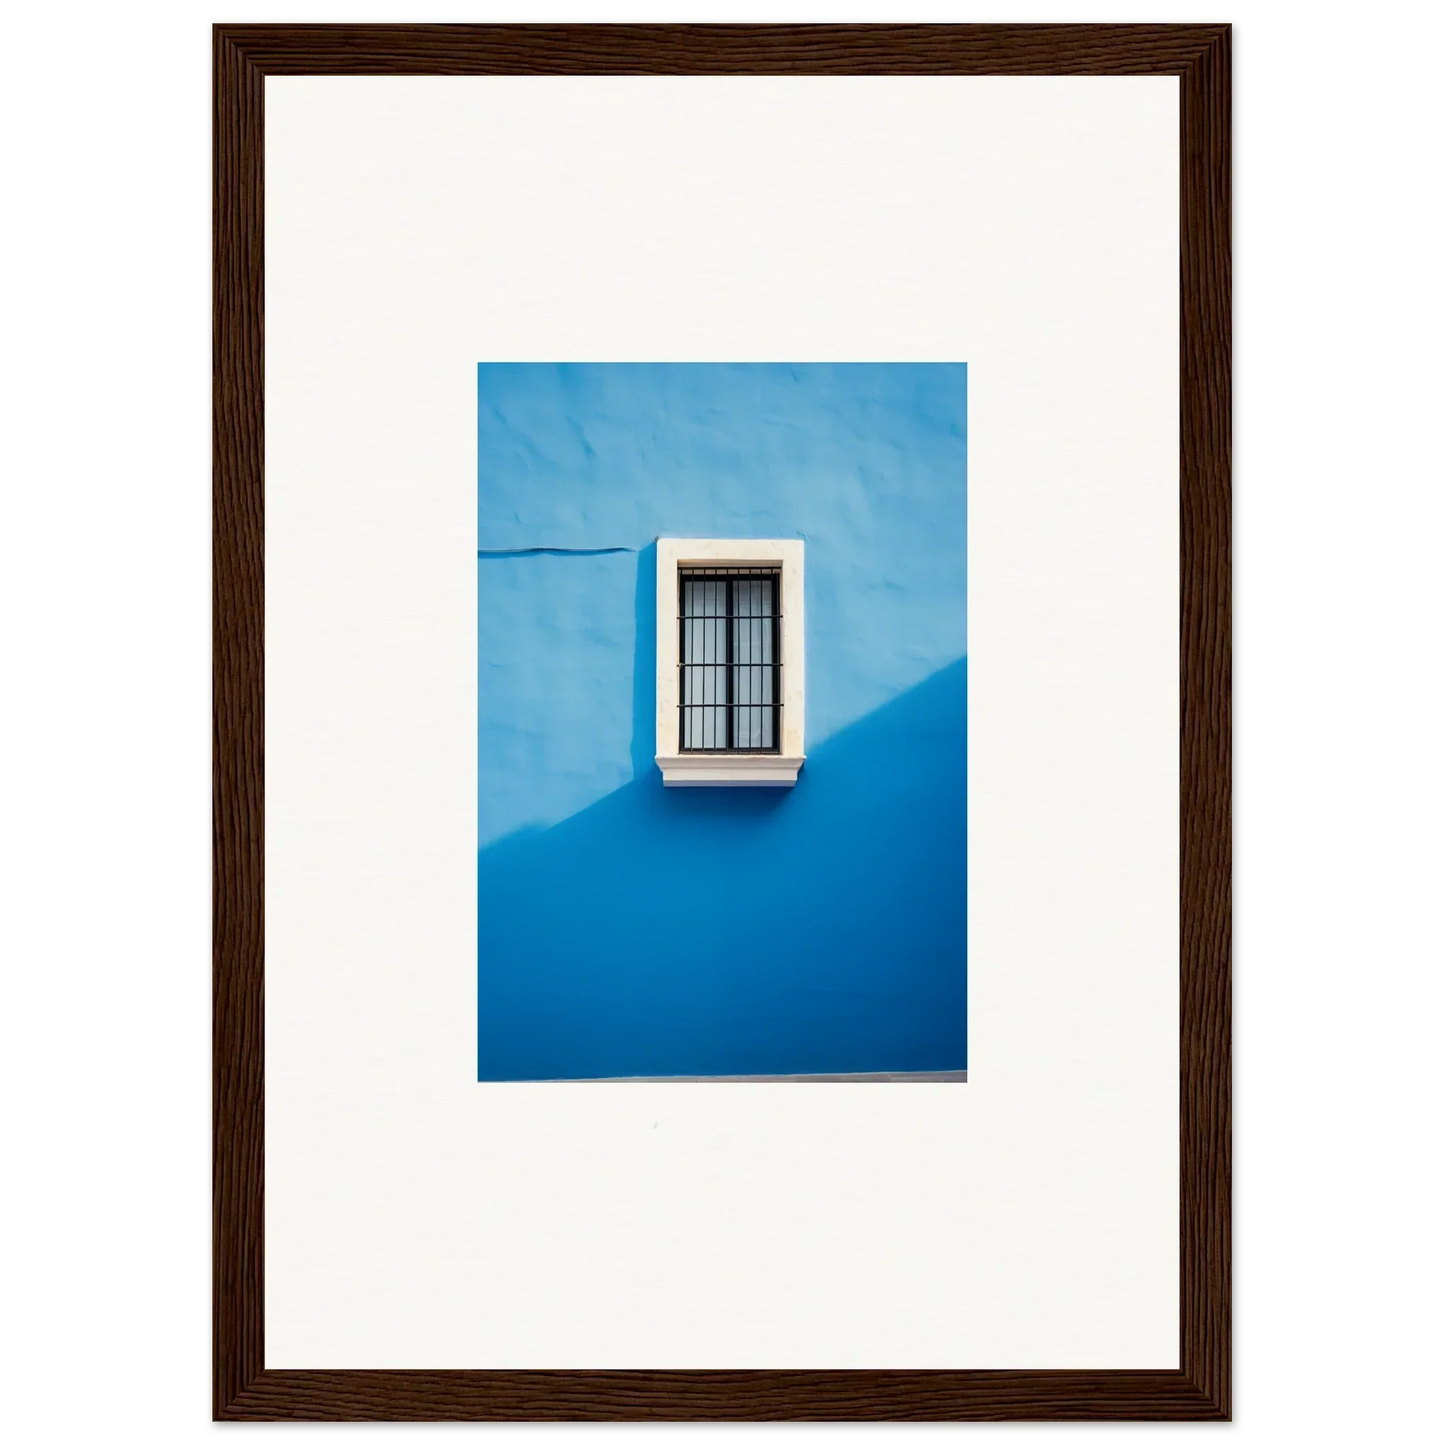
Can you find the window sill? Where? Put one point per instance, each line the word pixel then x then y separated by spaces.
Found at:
pixel 729 770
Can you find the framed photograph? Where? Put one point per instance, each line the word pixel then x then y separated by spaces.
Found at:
pixel 721 612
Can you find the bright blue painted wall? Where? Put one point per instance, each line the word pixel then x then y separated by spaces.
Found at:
pixel 625 929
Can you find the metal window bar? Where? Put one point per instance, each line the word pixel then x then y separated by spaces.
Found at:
pixel 729 659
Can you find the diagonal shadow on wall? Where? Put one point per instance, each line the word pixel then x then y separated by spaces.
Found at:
pixel 644 665
pixel 818 929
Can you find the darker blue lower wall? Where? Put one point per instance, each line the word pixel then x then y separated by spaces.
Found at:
pixel 819 929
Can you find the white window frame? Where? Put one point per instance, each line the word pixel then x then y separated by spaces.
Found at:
pixel 730 770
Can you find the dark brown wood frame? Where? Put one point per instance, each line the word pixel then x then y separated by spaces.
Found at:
pixel 1199 56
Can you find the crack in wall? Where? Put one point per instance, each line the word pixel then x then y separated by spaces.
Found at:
pixel 557 552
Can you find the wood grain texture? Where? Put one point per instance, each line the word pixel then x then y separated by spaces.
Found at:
pixel 237 760
pixel 721 49
pixel 721 1395
pixel 1199 1390
pixel 1204 715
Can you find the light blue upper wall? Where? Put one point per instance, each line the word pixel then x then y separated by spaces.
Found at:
pixel 557 637
pixel 866 462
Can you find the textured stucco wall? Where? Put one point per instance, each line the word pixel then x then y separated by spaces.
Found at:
pixel 625 929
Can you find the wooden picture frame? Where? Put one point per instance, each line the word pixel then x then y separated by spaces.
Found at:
pixel 1200 1389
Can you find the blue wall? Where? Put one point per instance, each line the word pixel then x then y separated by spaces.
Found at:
pixel 625 929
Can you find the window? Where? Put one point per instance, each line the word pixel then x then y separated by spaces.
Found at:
pixel 728 642
pixel 729 662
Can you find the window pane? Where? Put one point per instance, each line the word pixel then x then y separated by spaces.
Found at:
pixel 729 671
pixel 753 662
pixel 704 639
